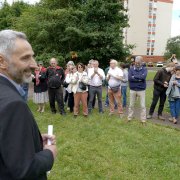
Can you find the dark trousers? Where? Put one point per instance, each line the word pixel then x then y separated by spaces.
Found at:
pixel 156 96
pixel 71 101
pixel 94 100
pixel 93 91
pixel 56 94
pixel 66 96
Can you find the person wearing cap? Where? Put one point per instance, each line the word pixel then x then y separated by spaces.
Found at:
pixel 40 95
pixel 173 93
pixel 161 83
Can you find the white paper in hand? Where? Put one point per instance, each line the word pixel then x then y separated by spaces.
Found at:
pixel 50 132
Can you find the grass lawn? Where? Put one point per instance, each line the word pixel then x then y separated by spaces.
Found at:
pixel 103 147
pixel 150 75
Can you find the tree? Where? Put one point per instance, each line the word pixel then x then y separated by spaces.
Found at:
pixel 93 29
pixel 8 14
pixel 173 47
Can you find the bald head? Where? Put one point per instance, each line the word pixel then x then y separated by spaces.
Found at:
pixel 53 62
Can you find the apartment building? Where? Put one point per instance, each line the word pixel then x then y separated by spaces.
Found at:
pixel 150 27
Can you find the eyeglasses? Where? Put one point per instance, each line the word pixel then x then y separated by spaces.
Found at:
pixel 80 67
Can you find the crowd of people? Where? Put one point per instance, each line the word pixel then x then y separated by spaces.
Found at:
pixel 81 84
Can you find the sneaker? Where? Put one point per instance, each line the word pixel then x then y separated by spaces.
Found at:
pixel 101 112
pixel 149 116
pixel 63 113
pixel 175 121
pixel 106 105
pixel 171 119
pixel 111 113
pixel 160 117
pixel 143 122
pixel 121 116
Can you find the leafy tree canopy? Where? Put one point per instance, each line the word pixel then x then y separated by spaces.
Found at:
pixel 173 47
pixel 93 28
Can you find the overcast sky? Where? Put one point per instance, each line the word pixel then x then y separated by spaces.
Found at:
pixel 175 30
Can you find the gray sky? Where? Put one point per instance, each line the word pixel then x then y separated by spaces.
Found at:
pixel 175 27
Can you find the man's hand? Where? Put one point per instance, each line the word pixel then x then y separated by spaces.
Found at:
pixel 45 138
pixel 165 84
pixel 175 82
pixel 52 148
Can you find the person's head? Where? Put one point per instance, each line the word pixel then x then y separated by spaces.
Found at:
pixel 40 64
pixel 170 67
pixel 122 66
pixel 53 62
pixel 113 63
pixel 133 60
pixel 174 55
pixel 96 64
pixel 138 61
pixel 80 67
pixel 70 63
pixel 71 68
pixel 16 56
pixel 91 63
pixel 177 70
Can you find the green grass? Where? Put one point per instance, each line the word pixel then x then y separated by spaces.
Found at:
pixel 103 147
pixel 150 75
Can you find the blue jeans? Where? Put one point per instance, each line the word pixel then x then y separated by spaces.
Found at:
pixel 175 108
pixel 124 96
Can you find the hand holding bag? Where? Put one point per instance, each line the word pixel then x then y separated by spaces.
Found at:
pixel 82 86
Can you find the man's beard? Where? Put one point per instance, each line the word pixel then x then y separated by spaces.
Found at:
pixel 27 80
pixel 19 77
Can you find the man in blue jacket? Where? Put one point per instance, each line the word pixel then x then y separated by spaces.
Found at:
pixel 137 84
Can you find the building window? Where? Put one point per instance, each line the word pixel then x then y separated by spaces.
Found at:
pixel 149 28
pixel 155 5
pixel 150 4
pixel 148 44
pixel 153 29
pixel 152 44
pixel 150 21
pixel 152 53
pixel 147 52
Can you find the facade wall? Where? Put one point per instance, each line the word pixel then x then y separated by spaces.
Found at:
pixel 138 21
pixel 163 29
pixel 150 27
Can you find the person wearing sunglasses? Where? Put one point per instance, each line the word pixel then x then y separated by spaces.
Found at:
pixel 80 89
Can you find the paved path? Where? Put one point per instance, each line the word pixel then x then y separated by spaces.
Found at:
pixel 155 118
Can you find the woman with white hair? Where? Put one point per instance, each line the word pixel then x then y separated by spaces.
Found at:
pixel 67 71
